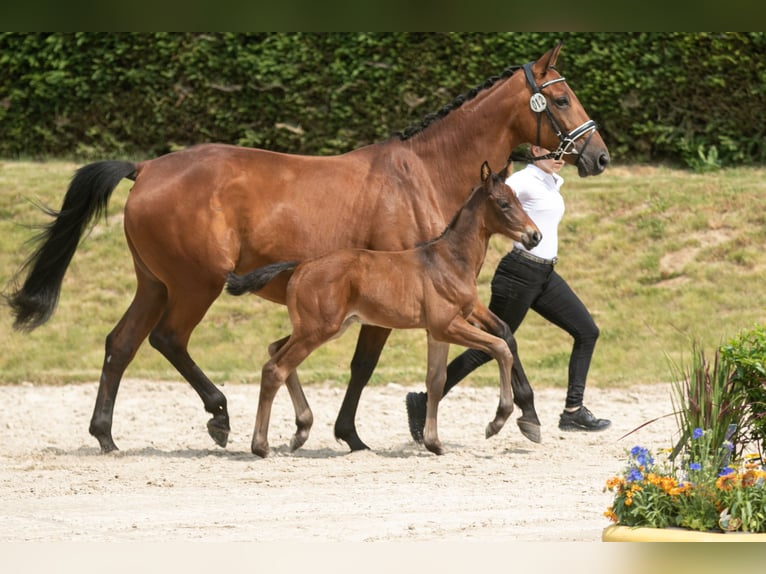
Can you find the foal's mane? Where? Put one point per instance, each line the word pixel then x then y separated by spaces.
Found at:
pixel 456 103
pixel 455 216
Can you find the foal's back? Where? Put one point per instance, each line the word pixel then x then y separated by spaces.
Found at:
pixel 393 289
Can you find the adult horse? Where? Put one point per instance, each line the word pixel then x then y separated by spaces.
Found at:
pixel 194 216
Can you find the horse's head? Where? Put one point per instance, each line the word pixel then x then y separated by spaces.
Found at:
pixel 557 120
pixel 505 214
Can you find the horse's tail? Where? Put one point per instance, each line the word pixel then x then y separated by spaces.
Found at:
pixel 256 279
pixel 87 197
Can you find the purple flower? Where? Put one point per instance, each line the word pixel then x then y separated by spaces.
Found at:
pixel 695 466
pixel 726 470
pixel 698 432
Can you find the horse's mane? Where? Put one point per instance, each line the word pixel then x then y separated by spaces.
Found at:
pixel 456 103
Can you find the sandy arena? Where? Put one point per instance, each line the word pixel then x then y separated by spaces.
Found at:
pixel 170 482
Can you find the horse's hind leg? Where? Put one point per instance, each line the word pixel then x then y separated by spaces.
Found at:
pixel 278 369
pixel 120 348
pixel 170 337
pixel 368 348
pixel 304 418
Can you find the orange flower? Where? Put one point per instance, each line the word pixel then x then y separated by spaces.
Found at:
pixel 727 481
pixel 749 478
pixel 611 515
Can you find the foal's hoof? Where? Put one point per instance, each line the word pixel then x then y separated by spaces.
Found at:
pixel 492 429
pixel 530 430
pixel 260 450
pixel 435 448
pixel 218 431
pixel 298 440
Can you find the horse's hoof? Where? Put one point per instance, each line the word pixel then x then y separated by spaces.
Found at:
pixel 530 430
pixel 435 448
pixel 107 446
pixel 298 440
pixel 352 440
pixel 492 429
pixel 260 450
pixel 218 432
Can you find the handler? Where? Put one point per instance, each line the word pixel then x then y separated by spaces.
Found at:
pixel 526 279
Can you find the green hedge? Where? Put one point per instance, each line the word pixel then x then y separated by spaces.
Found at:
pixel 678 97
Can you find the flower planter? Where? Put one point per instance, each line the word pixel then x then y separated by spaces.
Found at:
pixel 616 533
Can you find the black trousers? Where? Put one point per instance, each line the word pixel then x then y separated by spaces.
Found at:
pixel 519 285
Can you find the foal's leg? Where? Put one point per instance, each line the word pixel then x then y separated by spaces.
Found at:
pixel 368 348
pixel 461 332
pixel 523 395
pixel 278 369
pixel 304 418
pixel 436 376
pixel 120 348
pixel 185 309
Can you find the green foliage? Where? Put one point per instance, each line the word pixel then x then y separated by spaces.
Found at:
pixel 695 99
pixel 706 397
pixel 746 355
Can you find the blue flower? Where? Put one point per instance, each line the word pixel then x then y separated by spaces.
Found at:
pixel 726 470
pixel 642 456
pixel 695 466
pixel 698 432
pixel 634 475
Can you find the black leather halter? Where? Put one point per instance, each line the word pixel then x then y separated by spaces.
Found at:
pixel 539 104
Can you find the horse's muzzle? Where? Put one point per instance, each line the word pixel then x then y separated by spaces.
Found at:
pixel 530 238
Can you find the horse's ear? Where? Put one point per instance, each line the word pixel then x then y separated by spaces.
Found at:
pixel 547 60
pixel 486 172
pixel 507 170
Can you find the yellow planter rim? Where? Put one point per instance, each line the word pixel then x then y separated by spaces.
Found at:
pixel 616 533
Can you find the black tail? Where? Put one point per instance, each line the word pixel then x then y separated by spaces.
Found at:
pixel 256 279
pixel 87 197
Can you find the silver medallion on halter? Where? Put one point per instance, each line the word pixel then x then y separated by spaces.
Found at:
pixel 538 103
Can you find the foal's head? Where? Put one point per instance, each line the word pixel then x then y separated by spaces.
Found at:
pixel 504 213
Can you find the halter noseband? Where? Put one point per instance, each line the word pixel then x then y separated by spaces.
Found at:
pixel 539 104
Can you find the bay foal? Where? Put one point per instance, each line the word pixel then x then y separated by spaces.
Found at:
pixel 432 286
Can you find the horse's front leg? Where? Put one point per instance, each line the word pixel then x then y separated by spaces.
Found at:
pixel 465 334
pixel 436 376
pixel 523 395
pixel 368 348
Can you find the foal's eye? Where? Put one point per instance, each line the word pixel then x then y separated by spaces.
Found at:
pixel 503 204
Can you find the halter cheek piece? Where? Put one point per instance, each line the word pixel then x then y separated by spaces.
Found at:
pixel 539 104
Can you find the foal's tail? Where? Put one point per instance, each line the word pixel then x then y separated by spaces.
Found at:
pixel 35 301
pixel 256 279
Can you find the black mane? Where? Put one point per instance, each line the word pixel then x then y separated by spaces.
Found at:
pixel 456 103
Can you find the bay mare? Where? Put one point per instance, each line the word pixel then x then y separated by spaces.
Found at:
pixel 196 215
pixel 432 286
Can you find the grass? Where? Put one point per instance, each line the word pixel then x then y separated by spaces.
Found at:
pixel 660 256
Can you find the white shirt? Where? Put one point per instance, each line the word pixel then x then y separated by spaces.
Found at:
pixel 540 197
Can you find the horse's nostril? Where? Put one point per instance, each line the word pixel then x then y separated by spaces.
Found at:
pixel 603 160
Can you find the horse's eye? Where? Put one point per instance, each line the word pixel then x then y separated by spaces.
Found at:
pixel 563 101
